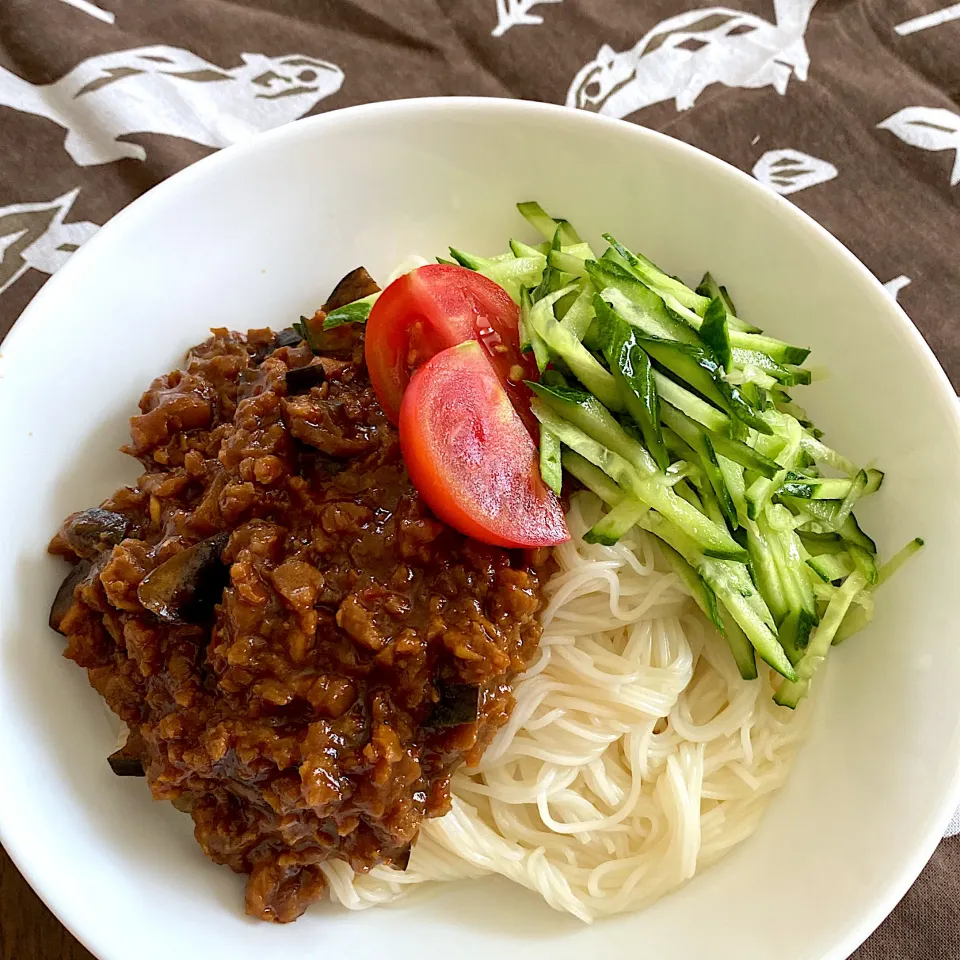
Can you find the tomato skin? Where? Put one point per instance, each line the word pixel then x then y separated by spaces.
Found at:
pixel 470 456
pixel 435 307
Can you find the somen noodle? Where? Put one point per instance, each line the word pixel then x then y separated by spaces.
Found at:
pixel 635 756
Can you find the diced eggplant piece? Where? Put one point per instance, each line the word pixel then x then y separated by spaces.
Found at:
pixel 128 760
pixel 185 588
pixel 301 379
pixel 458 703
pixel 286 338
pixel 282 338
pixel 125 766
pixel 90 532
pixel 63 601
pixel 356 285
pixel 401 860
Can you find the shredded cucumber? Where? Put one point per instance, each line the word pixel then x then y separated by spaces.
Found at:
pixel 685 429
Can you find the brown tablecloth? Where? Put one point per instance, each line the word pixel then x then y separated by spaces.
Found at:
pixel 850 107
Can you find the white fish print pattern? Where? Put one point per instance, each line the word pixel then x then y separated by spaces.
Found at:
pixel 683 55
pixel 929 20
pixel 929 128
pixel 516 13
pixel 787 171
pixel 86 6
pixel 34 235
pixel 170 91
pixel 894 286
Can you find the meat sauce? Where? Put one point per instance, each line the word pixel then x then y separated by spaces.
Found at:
pixel 303 654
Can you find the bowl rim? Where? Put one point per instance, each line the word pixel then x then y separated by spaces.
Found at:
pixel 33 868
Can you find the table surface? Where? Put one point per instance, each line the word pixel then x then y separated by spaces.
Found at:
pixel 861 129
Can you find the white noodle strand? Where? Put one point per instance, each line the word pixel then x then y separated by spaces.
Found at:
pixel 635 754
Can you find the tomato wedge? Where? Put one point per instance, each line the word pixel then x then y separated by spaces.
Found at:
pixel 470 456
pixel 436 307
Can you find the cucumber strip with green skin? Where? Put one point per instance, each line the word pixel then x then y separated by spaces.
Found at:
pixel 550 470
pixel 744 455
pixel 822 514
pixel 865 562
pixel 709 538
pixel 510 274
pixel 624 258
pixel 794 375
pixel 551 280
pixel 787 375
pixel 611 256
pixel 659 281
pixel 700 590
pixel 446 262
pixel 733 479
pixel 788 557
pixel 716 334
pixel 766 572
pixel 716 421
pixel 794 634
pixel 790 693
pixel 592 477
pixel 638 304
pixel 560 341
pixel 740 646
pixel 728 300
pixel 529 336
pixel 586 413
pixel 698 491
pixel 826 488
pixel 775 349
pixel 888 569
pixel 356 312
pixel 690 305
pixel 730 581
pixel 636 386
pixel 830 516
pixel 758 632
pixel 700 442
pixel 567 262
pixel 751 381
pixel 686 491
pixel 581 313
pixel 522 250
pixel 710 502
pixel 697 367
pixel 539 219
pixel 859 616
pixel 830 567
pixel 709 288
pixel 618 522
pixel 568 235
pixel 762 489
pixel 633 377
pixel 830 544
pixel 468 260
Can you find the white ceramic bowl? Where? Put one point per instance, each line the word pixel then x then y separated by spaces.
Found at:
pixel 256 235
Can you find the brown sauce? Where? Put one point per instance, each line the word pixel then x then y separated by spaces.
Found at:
pixel 305 680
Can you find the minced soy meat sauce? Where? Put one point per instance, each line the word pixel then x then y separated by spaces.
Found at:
pixel 304 681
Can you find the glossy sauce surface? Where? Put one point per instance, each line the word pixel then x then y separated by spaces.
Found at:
pixel 297 682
